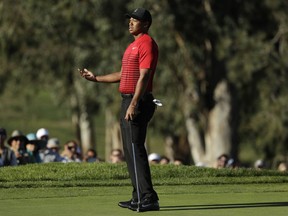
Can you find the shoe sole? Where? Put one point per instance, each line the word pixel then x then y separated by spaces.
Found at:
pixel 155 208
pixel 123 206
pixel 127 206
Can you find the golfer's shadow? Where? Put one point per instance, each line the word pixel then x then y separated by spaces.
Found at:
pixel 223 206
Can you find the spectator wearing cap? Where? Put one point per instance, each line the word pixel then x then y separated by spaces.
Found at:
pixel 17 143
pixel 51 154
pixel 42 134
pixel 154 158
pixel 71 152
pixel 7 156
pixel 259 164
pixel 32 153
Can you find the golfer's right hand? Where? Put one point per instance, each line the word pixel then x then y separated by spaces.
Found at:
pixel 87 74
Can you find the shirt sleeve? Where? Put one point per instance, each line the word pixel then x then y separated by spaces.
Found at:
pixel 146 55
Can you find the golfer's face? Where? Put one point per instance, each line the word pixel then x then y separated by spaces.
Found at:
pixel 135 26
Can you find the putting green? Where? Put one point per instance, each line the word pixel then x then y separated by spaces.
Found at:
pixel 242 200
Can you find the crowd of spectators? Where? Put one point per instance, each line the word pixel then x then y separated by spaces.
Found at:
pixel 222 161
pixel 20 149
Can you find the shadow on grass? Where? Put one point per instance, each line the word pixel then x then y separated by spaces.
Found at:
pixel 224 206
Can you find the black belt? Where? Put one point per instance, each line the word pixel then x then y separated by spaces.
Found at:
pixel 132 95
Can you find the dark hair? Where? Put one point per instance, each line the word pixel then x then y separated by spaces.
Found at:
pixel 223 155
pixel 93 150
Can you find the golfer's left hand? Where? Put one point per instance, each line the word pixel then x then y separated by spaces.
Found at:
pixel 131 113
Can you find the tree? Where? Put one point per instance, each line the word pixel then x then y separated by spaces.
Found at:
pixel 207 43
pixel 222 71
pixel 255 64
pixel 45 41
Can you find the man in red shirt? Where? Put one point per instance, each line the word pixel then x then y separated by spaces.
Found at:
pixel 136 84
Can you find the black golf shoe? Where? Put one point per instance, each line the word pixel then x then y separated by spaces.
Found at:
pixel 146 205
pixel 128 204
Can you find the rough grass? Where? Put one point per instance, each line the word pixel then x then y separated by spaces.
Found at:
pixel 105 174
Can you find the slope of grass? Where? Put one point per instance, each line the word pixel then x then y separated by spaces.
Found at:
pixel 104 174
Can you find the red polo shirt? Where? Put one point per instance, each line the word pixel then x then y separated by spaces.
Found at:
pixel 141 54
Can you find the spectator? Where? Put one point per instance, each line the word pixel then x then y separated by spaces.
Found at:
pixel 164 160
pixel 7 156
pixel 178 162
pixel 71 152
pixel 233 163
pixel 282 167
pixel 51 154
pixel 17 143
pixel 91 156
pixel 42 134
pixel 154 158
pixel 32 154
pixel 116 156
pixel 259 164
pixel 222 161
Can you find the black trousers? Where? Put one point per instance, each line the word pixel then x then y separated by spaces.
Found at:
pixel 135 131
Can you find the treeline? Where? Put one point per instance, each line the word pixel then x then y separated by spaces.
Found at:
pixel 222 73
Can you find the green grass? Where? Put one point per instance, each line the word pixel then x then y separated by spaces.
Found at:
pixel 95 189
pixel 104 174
pixel 236 200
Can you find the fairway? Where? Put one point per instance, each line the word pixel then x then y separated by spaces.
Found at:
pixel 251 199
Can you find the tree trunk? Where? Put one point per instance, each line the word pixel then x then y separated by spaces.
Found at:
pixel 86 131
pixel 81 119
pixel 169 148
pixel 84 127
pixel 218 136
pixel 195 141
pixel 113 139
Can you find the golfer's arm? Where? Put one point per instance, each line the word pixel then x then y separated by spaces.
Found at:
pixel 109 78
pixel 141 86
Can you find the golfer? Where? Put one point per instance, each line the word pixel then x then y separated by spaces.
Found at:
pixel 136 77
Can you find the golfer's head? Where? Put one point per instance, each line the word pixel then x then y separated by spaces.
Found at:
pixel 142 15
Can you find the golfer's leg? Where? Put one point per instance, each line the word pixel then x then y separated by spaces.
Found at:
pixel 127 145
pixel 139 130
pixel 143 168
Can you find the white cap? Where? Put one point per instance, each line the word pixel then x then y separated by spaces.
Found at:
pixel 42 132
pixel 53 143
pixel 154 157
pixel 259 163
